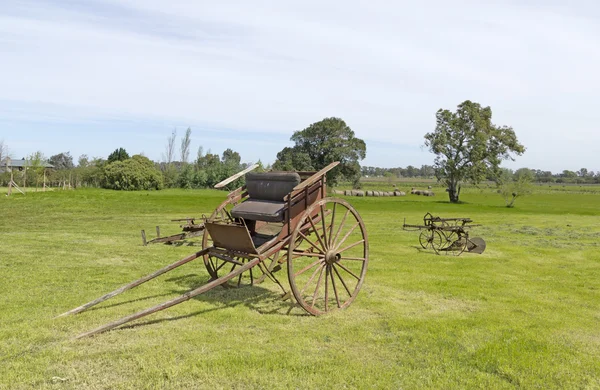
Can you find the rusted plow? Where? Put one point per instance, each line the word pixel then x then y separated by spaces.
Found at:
pixel 449 236
pixel 276 219
pixel 190 229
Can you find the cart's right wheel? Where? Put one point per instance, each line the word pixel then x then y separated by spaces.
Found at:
pixel 328 256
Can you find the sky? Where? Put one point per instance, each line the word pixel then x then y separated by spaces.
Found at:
pixel 90 76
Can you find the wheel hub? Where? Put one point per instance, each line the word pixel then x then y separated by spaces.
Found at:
pixel 332 257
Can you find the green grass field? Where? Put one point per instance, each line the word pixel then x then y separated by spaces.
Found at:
pixel 526 313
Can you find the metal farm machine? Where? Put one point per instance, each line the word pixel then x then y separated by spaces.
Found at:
pixel 449 236
pixel 276 218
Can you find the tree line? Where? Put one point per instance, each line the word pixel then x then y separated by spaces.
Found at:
pixel 467 147
pixel 581 176
pixel 315 147
pixel 426 171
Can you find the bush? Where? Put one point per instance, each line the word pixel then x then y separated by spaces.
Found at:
pixel 136 173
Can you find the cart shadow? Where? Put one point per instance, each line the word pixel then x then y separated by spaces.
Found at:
pixel 255 298
pixel 184 243
pixel 127 302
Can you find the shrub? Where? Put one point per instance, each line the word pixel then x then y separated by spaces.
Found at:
pixel 136 173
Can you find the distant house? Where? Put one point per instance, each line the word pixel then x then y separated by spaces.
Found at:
pixel 9 164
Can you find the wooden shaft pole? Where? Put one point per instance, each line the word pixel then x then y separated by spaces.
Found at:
pixel 173 302
pixel 136 283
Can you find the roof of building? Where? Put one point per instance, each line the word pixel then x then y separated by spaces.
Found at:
pixel 12 163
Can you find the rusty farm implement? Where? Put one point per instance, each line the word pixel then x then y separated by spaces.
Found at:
pixel 449 236
pixel 277 219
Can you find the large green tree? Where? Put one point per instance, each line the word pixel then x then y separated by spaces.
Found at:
pixel 322 143
pixel 468 146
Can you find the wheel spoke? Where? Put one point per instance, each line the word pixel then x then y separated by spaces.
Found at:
pixel 342 280
pixel 213 263
pixel 307 254
pixel 311 278
pixel 303 270
pixel 317 288
pixel 318 235
pixel 310 242
pixel 350 246
pixel 324 228
pixel 337 298
pixel 221 266
pixel 337 233
pixel 326 288
pixel 331 226
pixel 346 236
pixel 353 258
pixel 347 270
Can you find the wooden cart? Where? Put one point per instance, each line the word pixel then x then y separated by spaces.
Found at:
pixel 277 219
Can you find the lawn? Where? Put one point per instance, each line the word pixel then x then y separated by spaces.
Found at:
pixel 526 313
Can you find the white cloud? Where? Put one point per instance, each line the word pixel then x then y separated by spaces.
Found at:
pixel 385 67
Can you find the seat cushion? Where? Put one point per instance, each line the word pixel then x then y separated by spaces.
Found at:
pixel 272 186
pixel 259 210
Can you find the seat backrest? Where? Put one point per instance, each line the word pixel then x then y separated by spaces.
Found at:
pixel 272 186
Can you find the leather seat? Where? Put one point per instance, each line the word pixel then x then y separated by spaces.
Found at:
pixel 259 210
pixel 266 192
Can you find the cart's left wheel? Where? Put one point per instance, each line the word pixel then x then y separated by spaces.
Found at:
pixel 328 256
pixel 453 244
pixel 217 267
pixel 428 239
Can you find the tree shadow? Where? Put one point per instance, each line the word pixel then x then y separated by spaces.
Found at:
pixel 448 202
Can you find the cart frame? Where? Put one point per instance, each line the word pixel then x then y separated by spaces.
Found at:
pixel 309 232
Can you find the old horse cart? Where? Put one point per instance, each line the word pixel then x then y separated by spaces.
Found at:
pixel 277 219
pixel 448 236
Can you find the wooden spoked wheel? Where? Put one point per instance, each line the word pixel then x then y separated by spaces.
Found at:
pixel 428 239
pixel 328 257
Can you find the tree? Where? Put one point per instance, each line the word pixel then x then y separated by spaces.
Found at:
pixel 468 147
pixel 231 159
pixel 513 185
pixel 170 148
pixel 90 173
pixel 185 146
pixel 322 143
pixel 290 159
pixel 583 172
pixel 170 173
pixel 83 161
pixel 118 155
pixel 3 152
pixel 62 161
pixel 36 165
